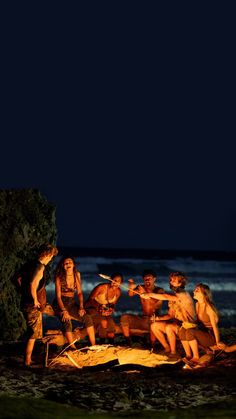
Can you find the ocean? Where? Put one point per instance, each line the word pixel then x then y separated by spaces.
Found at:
pixel 219 274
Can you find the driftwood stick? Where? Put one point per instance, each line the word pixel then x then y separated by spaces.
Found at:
pixel 73 361
pixel 63 351
pixel 46 357
pixel 121 285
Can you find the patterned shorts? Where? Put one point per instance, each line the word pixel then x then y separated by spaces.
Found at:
pixel 34 323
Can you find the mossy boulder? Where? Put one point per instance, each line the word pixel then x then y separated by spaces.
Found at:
pixel 27 221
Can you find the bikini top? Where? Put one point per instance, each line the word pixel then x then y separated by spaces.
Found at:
pixel 103 298
pixel 65 288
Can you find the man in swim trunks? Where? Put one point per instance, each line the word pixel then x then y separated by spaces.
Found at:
pixel 150 307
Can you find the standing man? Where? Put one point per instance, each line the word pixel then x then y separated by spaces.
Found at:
pixel 33 296
pixel 150 307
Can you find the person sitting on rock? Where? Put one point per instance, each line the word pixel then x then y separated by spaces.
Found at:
pixel 101 305
pixel 181 314
pixel 150 307
pixel 67 285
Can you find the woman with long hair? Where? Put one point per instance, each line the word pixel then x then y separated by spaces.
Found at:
pixel 206 335
pixel 67 285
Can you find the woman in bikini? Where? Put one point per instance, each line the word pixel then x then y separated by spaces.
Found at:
pixel 67 285
pixel 101 304
pixel 206 335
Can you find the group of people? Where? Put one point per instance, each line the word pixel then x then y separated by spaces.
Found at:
pixel 195 325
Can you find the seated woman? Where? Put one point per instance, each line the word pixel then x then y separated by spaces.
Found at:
pixel 67 283
pixel 206 335
pixel 101 304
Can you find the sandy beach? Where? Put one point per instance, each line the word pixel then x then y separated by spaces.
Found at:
pixel 120 389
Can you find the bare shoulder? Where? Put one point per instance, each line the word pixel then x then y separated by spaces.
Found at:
pixel 184 296
pixel 100 288
pixel 39 270
pixel 210 311
pixel 40 267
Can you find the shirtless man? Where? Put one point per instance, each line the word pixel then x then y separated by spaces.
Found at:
pixel 32 281
pixel 150 307
pixel 181 313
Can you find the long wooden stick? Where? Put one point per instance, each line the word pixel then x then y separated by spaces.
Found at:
pixel 73 361
pixel 64 350
pixel 121 285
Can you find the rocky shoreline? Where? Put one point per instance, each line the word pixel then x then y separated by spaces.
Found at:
pixel 121 388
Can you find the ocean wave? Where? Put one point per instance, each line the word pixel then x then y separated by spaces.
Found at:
pixel 210 267
pixel 228 312
pixel 223 313
pixel 223 285
pixel 173 264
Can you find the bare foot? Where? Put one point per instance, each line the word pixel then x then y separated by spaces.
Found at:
pixel 166 350
pixel 194 360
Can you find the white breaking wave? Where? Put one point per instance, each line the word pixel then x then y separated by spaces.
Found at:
pixel 219 275
pixel 88 285
pixel 227 312
pixel 223 312
pixel 198 266
pixel 91 265
pixel 215 286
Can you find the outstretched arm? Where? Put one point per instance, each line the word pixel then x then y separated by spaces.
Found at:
pixel 163 297
pixel 133 288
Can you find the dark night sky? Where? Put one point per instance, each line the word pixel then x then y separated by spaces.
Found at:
pixel 129 132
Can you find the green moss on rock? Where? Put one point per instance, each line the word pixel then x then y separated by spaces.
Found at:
pixel 27 221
